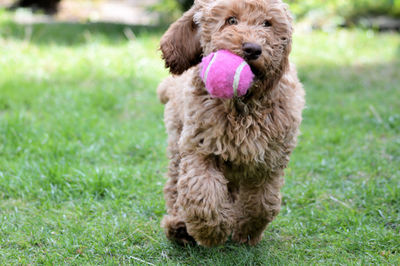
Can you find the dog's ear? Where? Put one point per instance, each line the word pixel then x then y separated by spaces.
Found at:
pixel 287 42
pixel 286 38
pixel 180 45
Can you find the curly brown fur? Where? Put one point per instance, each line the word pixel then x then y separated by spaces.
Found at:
pixel 180 44
pixel 227 156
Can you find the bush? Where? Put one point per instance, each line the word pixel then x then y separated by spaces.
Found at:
pixel 185 4
pixel 168 10
pixel 48 6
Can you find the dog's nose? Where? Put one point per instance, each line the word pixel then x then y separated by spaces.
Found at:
pixel 252 51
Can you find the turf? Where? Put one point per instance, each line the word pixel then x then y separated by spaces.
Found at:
pixel 82 151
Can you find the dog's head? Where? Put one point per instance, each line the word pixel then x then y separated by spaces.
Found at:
pixel 260 31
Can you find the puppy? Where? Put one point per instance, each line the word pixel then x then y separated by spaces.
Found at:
pixel 227 156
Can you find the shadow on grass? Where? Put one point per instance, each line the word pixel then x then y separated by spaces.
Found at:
pixel 241 254
pixel 71 33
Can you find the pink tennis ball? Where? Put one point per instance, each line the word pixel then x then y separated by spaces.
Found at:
pixel 226 75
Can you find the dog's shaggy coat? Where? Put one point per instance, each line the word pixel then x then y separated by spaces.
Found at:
pixel 227 156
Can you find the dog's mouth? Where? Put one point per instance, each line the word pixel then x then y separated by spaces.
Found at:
pixel 255 66
pixel 254 63
pixel 256 71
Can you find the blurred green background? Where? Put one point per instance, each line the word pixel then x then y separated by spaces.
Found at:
pixel 348 10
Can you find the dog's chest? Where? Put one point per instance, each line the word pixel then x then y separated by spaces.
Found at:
pixel 260 138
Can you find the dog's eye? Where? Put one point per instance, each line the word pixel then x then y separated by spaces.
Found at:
pixel 267 23
pixel 232 21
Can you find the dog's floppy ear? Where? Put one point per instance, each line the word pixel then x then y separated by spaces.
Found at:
pixel 287 40
pixel 180 45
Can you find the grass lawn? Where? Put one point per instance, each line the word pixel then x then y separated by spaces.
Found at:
pixel 82 152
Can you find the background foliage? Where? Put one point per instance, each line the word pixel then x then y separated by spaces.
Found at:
pixel 342 11
pixel 346 9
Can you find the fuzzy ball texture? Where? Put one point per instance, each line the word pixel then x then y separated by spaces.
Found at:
pixel 226 75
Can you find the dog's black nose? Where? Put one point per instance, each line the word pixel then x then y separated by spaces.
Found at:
pixel 252 51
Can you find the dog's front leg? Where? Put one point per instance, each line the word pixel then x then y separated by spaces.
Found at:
pixel 203 200
pixel 258 204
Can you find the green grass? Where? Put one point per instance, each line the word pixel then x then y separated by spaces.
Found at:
pixel 82 152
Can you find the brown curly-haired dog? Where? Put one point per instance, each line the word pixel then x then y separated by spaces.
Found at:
pixel 227 156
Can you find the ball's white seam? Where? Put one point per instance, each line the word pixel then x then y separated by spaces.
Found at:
pixel 209 67
pixel 236 79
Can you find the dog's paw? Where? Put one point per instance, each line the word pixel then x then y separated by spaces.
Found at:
pixel 175 230
pixel 209 235
pixel 245 238
pixel 213 239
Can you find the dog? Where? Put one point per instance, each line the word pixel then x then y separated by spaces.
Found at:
pixel 227 156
